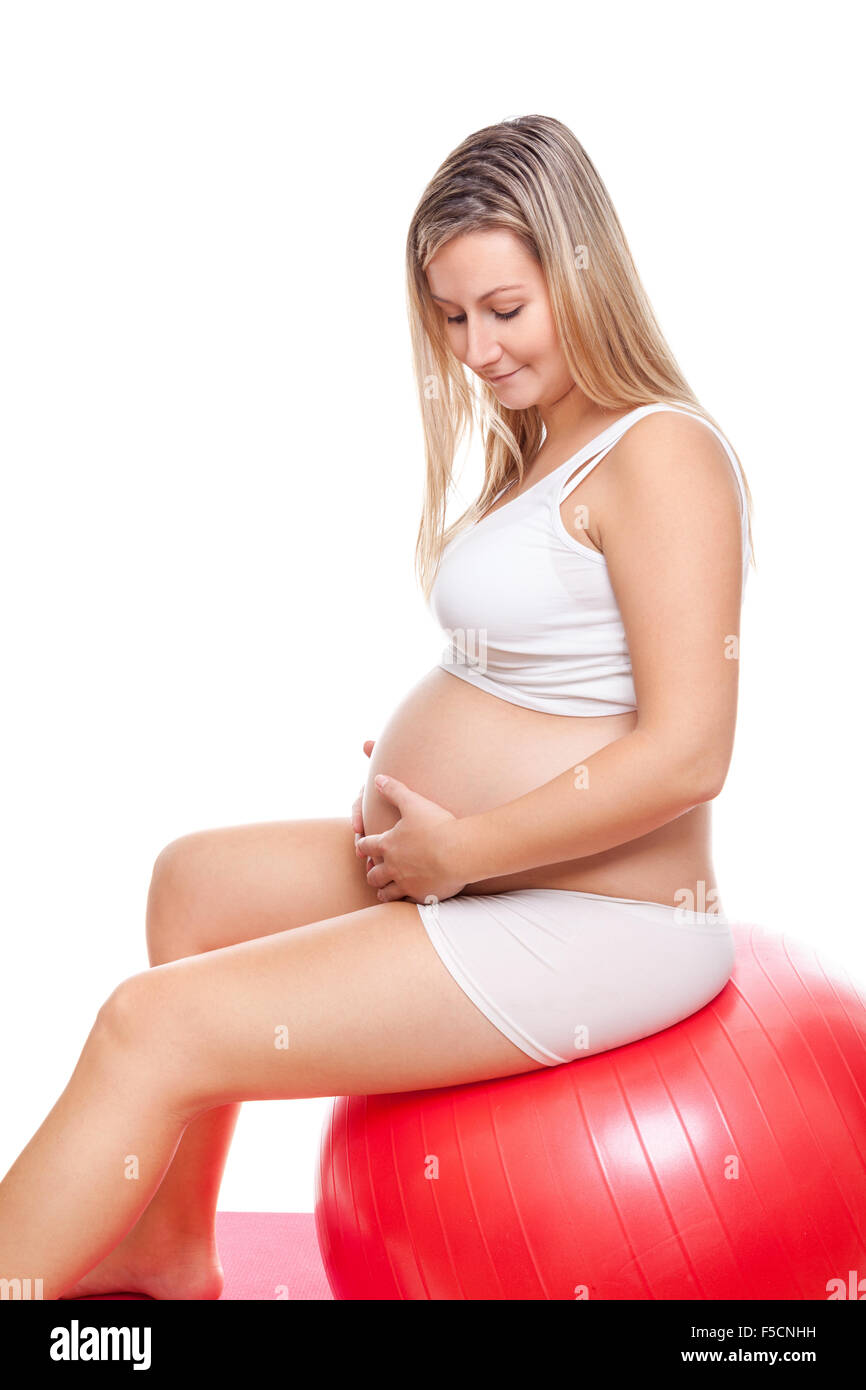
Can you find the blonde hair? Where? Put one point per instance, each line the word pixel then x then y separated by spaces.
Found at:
pixel 532 176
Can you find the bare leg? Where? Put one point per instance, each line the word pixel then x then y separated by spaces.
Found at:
pixel 209 889
pixel 171 1251
pixel 368 1008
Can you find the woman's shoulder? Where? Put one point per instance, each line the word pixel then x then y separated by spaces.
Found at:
pixel 676 457
pixel 674 434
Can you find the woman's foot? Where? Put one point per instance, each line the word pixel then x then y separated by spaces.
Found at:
pixel 174 1266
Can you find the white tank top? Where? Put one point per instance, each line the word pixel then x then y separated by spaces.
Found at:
pixel 529 612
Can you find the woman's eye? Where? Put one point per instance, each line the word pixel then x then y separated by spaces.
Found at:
pixel 461 318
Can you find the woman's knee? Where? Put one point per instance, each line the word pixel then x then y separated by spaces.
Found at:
pixel 174 900
pixel 138 1040
pixel 128 1020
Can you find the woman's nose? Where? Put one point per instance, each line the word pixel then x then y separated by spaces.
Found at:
pixel 482 351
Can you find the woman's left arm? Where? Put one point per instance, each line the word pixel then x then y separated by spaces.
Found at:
pixel 672 542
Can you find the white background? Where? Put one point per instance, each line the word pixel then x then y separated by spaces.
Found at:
pixel 212 466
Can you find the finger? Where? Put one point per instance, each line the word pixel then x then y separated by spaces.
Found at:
pixel 391 894
pixel 396 792
pixel 378 876
pixel 368 844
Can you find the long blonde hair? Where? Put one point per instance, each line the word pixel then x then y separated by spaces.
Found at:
pixel 532 176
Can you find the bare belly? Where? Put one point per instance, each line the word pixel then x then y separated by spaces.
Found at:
pixel 470 752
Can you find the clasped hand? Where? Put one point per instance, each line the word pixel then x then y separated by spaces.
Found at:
pixel 413 853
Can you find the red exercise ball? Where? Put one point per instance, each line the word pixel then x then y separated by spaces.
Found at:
pixel 723 1158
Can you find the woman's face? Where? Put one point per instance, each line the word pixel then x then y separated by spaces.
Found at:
pixel 509 334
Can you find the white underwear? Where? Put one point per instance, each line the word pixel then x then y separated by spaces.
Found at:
pixel 564 974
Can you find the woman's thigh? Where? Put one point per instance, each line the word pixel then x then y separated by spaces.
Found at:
pixel 357 1004
pixel 213 888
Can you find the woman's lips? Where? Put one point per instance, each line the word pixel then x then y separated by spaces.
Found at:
pixel 495 380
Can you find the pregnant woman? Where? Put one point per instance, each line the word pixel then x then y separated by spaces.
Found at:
pixel 534 881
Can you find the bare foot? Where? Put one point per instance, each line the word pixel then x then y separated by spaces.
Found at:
pixel 186 1267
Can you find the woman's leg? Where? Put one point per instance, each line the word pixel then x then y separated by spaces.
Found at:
pixel 356 1004
pixel 210 889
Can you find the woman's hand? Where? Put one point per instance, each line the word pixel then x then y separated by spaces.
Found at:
pixel 412 856
pixel 357 804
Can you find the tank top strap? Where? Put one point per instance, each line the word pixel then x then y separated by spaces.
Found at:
pixel 618 429
pixel 602 445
